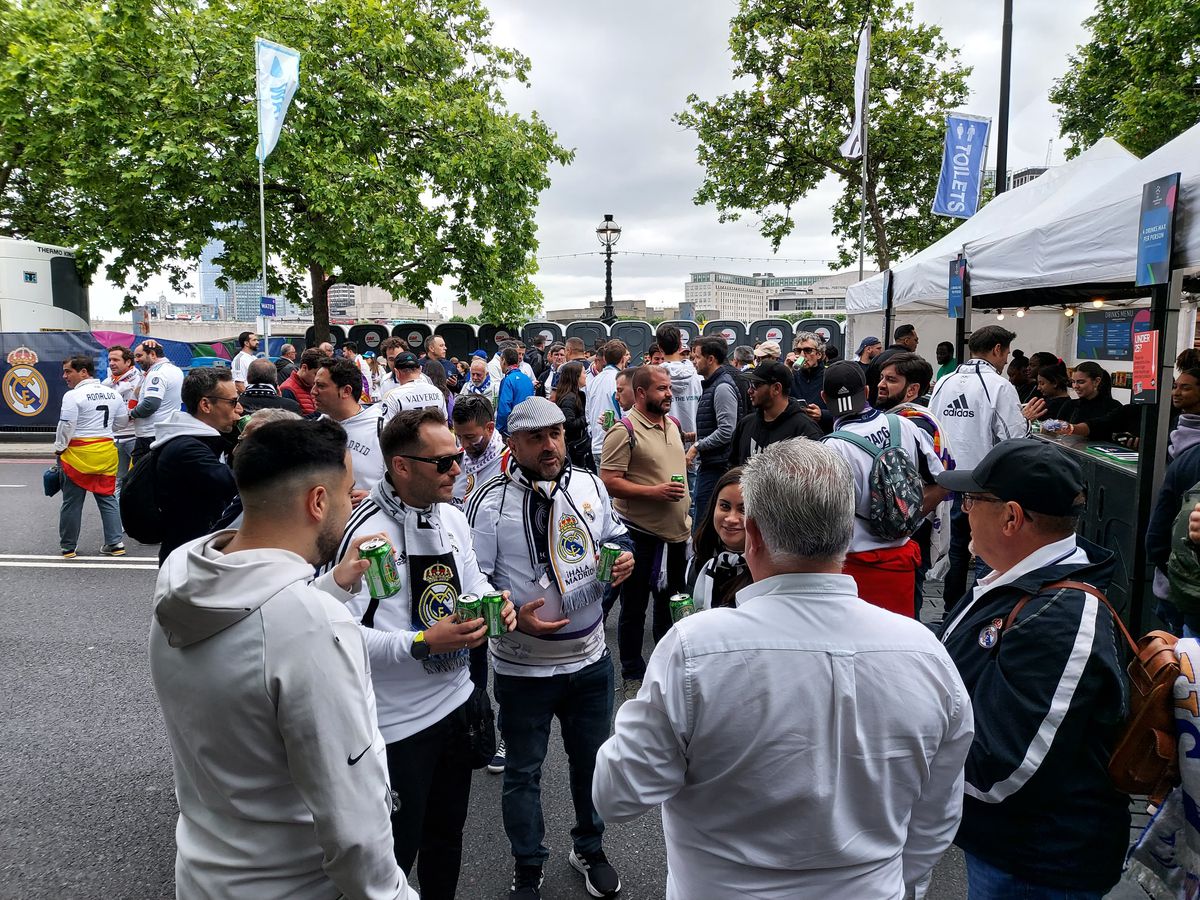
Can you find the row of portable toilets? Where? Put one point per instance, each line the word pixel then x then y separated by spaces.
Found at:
pixel 462 338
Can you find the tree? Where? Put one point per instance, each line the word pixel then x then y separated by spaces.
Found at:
pixel 767 145
pixel 1137 80
pixel 130 127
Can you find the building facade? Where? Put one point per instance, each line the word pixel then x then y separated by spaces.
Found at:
pixel 353 301
pixel 742 297
pixel 824 295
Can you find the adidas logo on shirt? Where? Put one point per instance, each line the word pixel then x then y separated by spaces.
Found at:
pixel 958 408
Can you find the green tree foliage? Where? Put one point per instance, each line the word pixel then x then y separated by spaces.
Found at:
pixel 129 127
pixel 770 142
pixel 1137 80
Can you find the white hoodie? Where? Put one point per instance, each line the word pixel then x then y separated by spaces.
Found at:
pixel 977 408
pixel 280 771
pixel 686 388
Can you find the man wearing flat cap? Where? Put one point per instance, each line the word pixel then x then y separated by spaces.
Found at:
pixel 1038 656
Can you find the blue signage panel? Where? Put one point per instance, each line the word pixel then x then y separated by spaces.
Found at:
pixel 962 166
pixel 266 306
pixel 1108 334
pixel 954 297
pixel 1155 229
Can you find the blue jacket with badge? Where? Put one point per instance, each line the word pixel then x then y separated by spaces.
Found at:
pixel 1049 699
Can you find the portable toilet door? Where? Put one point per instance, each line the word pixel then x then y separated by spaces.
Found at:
pixel 460 339
pixel 732 330
pixel 551 331
pixel 368 337
pixel 777 330
pixel 592 332
pixel 337 336
pixel 830 331
pixel 490 336
pixel 688 329
pixel 413 334
pixel 637 336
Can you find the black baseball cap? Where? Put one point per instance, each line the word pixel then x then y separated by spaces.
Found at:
pixel 1040 477
pixel 406 360
pixel 845 387
pixel 772 373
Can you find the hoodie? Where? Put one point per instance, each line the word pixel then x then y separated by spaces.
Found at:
pixel 192 484
pixel 280 771
pixel 754 433
pixel 685 392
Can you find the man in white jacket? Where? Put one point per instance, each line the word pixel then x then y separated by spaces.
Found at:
pixel 978 408
pixel 264 683
pixel 804 744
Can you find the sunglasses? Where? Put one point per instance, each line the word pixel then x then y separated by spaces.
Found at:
pixel 214 399
pixel 444 463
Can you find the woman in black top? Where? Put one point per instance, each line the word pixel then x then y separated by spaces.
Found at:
pixel 1091 412
pixel 1019 376
pixel 1052 383
pixel 569 396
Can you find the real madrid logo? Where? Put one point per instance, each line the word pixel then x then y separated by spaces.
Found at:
pixel 571 541
pixel 589 511
pixel 23 386
pixel 437 600
pixel 991 634
pixel 470 485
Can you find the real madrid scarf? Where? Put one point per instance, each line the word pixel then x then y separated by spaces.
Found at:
pixel 558 537
pixel 433 582
pixel 484 388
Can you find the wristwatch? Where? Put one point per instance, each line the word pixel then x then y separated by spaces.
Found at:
pixel 420 649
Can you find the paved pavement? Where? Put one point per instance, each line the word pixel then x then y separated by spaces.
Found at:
pixel 87 809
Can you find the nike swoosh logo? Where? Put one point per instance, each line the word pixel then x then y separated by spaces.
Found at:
pixel 353 759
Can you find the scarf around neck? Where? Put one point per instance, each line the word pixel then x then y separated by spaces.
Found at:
pixel 481 388
pixel 433 579
pixel 558 537
pixel 489 455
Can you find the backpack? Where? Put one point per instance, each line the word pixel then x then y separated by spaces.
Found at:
pixel 1145 759
pixel 624 420
pixel 140 514
pixel 895 487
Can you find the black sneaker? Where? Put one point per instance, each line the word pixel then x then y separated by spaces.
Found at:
pixel 526 883
pixel 600 879
pixel 113 549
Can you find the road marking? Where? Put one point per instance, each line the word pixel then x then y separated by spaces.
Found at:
pixel 125 558
pixel 71 564
pixel 14 485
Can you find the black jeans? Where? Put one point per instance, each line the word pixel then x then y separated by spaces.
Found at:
pixel 431 773
pixel 955 584
pixel 636 592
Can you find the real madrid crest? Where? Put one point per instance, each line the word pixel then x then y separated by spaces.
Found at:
pixel 24 389
pixel 991 634
pixel 437 600
pixel 589 511
pixel 571 541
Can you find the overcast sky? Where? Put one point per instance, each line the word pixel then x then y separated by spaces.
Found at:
pixel 608 77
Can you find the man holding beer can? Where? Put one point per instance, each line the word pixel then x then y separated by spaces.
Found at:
pixel 539 528
pixel 417 642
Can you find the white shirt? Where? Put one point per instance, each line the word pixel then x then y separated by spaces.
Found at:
pixel 413 395
pixel 600 391
pixel 362 440
pixel 89 410
pixel 977 408
pixel 241 366
pixel 916 443
pixel 804 745
pixel 164 380
pixel 127 386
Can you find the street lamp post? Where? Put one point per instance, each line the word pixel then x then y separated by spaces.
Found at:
pixel 609 232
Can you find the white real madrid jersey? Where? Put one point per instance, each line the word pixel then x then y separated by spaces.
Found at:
pixel 414 395
pixel 362 440
pixel 165 381
pixel 93 408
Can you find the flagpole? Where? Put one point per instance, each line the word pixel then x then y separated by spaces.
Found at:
pixel 862 213
pixel 262 209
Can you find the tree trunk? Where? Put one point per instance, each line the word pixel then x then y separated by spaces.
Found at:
pixel 320 302
pixel 883 250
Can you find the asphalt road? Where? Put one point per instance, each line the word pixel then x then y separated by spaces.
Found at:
pixel 87 808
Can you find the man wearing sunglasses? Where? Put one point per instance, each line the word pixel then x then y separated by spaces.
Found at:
pixel 1041 817
pixel 419 650
pixel 193 482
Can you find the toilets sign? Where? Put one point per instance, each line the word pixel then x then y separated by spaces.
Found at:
pixel 961 180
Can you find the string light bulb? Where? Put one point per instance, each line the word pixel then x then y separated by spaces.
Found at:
pixel 1069 312
pixel 1000 315
pixel 1021 313
pixel 1098 302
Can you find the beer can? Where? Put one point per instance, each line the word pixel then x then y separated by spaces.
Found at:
pixel 678 479
pixel 610 419
pixel 608 556
pixel 492 608
pixel 681 607
pixel 242 423
pixel 383 580
pixel 468 607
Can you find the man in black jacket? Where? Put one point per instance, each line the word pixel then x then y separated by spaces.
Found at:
pixel 193 484
pixel 776 417
pixel 262 393
pixel 808 378
pixel 1047 689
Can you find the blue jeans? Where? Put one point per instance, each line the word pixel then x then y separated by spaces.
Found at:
pixel 986 882
pixel 72 511
pixel 706 480
pixel 124 459
pixel 583 703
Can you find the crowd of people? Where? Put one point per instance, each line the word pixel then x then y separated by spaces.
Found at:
pixel 804 733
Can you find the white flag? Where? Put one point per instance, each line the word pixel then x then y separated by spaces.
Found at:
pixel 852 147
pixel 278 75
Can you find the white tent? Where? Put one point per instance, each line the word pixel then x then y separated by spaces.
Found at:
pixel 1094 240
pixel 923 276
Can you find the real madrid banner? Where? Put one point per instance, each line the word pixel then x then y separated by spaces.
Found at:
pixel 31 384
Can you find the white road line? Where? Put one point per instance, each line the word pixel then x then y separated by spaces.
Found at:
pixel 71 565
pixel 125 558
pixel 14 485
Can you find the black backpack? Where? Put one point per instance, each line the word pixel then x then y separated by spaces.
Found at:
pixel 140 514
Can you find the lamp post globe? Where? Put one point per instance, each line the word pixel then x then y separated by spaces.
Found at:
pixel 608 233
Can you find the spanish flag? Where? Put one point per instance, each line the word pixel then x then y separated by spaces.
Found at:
pixel 92 464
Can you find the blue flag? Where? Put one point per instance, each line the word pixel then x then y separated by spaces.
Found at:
pixel 962 166
pixel 278 75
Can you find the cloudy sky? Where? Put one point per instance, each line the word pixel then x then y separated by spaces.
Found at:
pixel 608 77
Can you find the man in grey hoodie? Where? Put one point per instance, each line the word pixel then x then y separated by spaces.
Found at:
pixel 265 687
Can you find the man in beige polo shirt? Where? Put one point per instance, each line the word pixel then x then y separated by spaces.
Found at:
pixel 642 465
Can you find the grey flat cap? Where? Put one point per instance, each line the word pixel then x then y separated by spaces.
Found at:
pixel 534 413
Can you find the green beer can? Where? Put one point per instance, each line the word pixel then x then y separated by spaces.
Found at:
pixel 608 556
pixel 610 419
pixel 681 607
pixel 468 607
pixel 678 479
pixel 492 608
pixel 382 578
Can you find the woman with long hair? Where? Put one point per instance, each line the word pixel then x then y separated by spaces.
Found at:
pixel 570 397
pixel 1019 376
pixel 718 570
pixel 1094 406
pixel 437 376
pixel 1052 391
